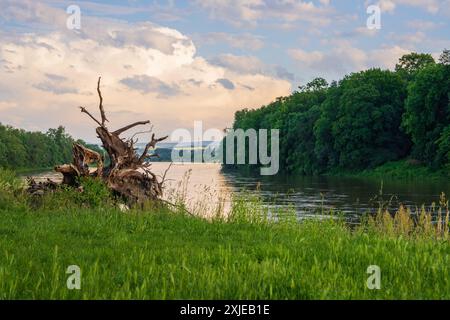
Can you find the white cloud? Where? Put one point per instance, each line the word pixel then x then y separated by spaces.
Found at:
pixel 251 12
pixel 431 6
pixel 234 11
pixel 251 65
pixel 386 57
pixel 240 64
pixel 148 72
pixel 307 57
pixel 246 41
pixel 410 39
pixel 4 105
pixel 387 5
pixel 344 58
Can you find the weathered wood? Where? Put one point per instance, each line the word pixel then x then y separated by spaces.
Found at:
pixel 100 105
pixel 127 174
pixel 130 126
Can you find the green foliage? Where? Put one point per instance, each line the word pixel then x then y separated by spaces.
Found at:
pixel 403 169
pixel 92 193
pixel 9 181
pixel 427 113
pixel 248 208
pixel 295 116
pixel 366 129
pixel 443 145
pixel 95 192
pixel 411 63
pixel 364 121
pixel 324 149
pixel 11 191
pixel 22 149
pixel 315 85
pixel 445 57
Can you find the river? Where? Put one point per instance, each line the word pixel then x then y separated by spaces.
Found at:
pixel 204 184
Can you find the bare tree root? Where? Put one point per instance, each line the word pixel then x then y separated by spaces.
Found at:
pixel 128 174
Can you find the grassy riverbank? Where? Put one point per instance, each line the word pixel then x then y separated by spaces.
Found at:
pixel 161 254
pixel 396 170
pixel 403 169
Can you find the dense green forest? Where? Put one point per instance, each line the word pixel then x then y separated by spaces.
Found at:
pixel 363 121
pixel 20 149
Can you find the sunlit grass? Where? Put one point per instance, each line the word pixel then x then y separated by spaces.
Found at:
pixel 165 254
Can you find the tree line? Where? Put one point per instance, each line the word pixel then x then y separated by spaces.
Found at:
pixel 20 149
pixel 365 120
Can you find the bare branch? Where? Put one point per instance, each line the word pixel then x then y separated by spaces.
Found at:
pixel 152 144
pixel 127 174
pixel 165 173
pixel 139 133
pixel 122 130
pixel 83 110
pixel 100 106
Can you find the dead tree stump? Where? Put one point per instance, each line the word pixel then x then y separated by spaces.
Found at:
pixel 128 174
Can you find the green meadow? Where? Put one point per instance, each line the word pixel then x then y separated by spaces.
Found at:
pixel 162 253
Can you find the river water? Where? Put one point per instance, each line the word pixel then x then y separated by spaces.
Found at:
pixel 205 183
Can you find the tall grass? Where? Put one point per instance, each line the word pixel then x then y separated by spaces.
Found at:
pixel 252 253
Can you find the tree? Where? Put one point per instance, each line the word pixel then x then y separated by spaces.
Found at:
pixel 38 149
pixel 366 131
pixel 427 111
pixel 315 85
pixel 367 119
pixel 16 156
pixel 61 144
pixel 326 154
pixel 411 63
pixel 443 147
pixel 445 57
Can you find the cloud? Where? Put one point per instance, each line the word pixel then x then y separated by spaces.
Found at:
pixel 419 41
pixel 251 12
pixel 7 105
pixel 147 70
pixel 54 88
pixel 361 31
pixel 431 6
pixel 245 41
pixel 410 39
pixel 309 58
pixel 55 77
pixel 31 13
pixel 148 35
pixel 282 73
pixel 146 84
pixel 345 58
pixel 386 57
pixel 227 84
pixel 240 64
pixel 236 12
pixel 251 65
pixel 387 6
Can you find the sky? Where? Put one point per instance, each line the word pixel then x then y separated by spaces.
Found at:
pixel 175 62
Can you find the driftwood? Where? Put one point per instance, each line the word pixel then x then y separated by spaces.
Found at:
pixel 128 174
